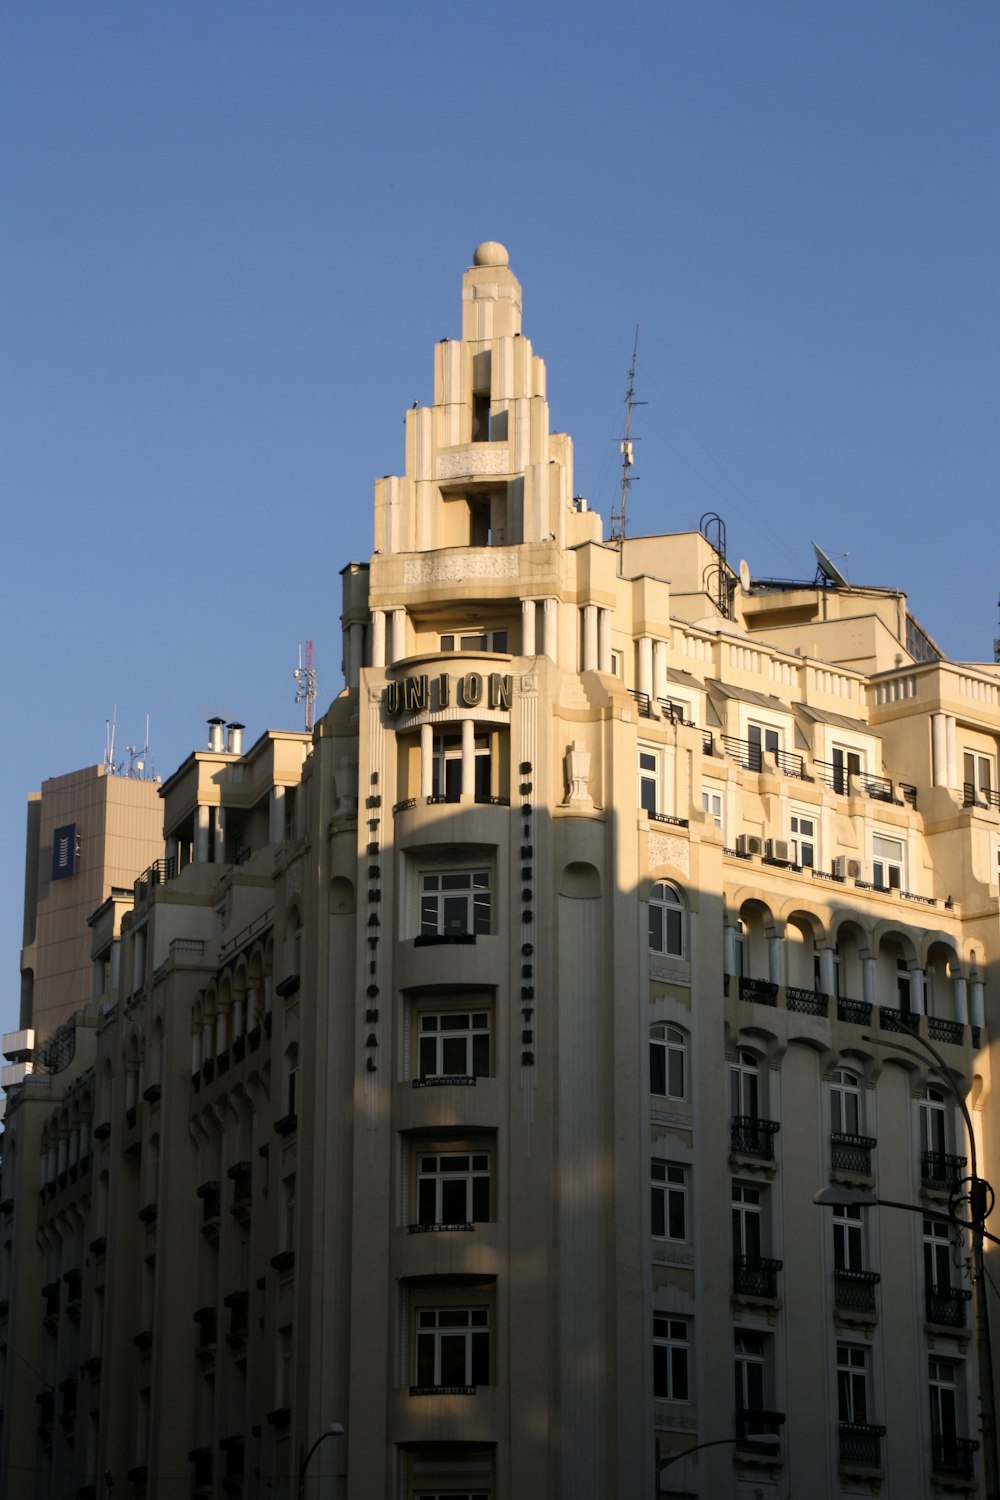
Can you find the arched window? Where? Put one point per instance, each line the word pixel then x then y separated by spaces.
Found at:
pixel 666 920
pixel 668 1062
pixel 845 1104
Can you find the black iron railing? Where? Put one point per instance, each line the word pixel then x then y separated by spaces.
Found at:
pixel 750 1136
pixel 861 1443
pixel 858 1012
pixel 755 1276
pixel 938 1169
pixel 806 1001
pixel 854 1291
pixel 952 1456
pixel 974 796
pixel 851 1153
pixel 761 990
pixel 945 1305
pixel 941 1030
pixel 891 1019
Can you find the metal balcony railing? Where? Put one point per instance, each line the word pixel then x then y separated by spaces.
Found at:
pixel 854 1291
pixel 806 1001
pixel 952 1456
pixel 941 1030
pixel 938 1169
pixel 861 1443
pixel 892 1019
pixel 761 990
pixel 159 872
pixel 753 757
pixel 851 1153
pixel 977 796
pixel 945 1305
pixel 751 1136
pixel 755 1276
pixel 858 1012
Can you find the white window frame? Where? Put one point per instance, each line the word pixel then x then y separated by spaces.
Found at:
pixel 853 1403
pixel 888 865
pixel 846 761
pixel 846 1115
pixel 668 913
pixel 441 895
pixel 979 773
pixel 438 1327
pixel 745 1086
pixel 492 641
pixel 762 739
pixel 751 1361
pixel 748 1219
pixel 849 1237
pixel 458 1027
pixel 804 842
pixel 438 1173
pixel 669 1200
pixel 649 766
pixel 935 1133
pixel 671 1357
pixel 944 1383
pixel 713 805
pixel 940 1272
pixel 668 1057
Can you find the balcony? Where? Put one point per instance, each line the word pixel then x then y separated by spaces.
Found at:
pixel 752 1424
pixel 857 1012
pixel 945 1305
pixel 940 1171
pixel 891 1019
pixel 760 990
pixel 951 1457
pixel 854 1291
pixel 852 1153
pixel 755 1276
pixel 973 796
pixel 941 1030
pixel 750 1136
pixel 861 1444
pixel 807 1002
pixel 753 757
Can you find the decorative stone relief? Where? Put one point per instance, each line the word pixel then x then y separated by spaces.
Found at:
pixel 473 564
pixel 480 459
pixel 664 850
pixel 578 775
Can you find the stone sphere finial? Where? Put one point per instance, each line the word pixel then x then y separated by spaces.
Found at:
pixel 491 253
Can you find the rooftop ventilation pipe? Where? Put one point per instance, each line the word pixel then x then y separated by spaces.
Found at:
pixel 234 738
pixel 215 728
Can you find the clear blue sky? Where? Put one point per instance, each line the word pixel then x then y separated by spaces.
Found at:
pixel 232 231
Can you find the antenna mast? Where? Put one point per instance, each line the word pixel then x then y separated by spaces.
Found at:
pixel 305 680
pixel 628 458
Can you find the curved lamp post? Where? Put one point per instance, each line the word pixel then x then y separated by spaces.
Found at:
pixel 333 1429
pixel 760 1440
pixel 979 1196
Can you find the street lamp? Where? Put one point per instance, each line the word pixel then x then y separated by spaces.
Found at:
pixel 980 1197
pixel 762 1440
pixel 333 1429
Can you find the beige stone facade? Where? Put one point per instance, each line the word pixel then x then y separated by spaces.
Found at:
pixel 472 1065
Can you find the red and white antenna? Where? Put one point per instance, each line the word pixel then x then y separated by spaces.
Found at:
pixel 305 684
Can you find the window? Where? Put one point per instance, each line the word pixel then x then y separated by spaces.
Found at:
pixel 744 1086
pixel 482 640
pixel 887 862
pixel 938 1258
pixel 671 1357
pixel 711 805
pixel 760 738
pixel 979 776
pixel 943 1385
pixel 452 1347
pixel 453 1187
pixel 666 920
pixel 667 1050
pixel 849 1238
pixel 750 1351
pixel 747 1221
pixel 845 1104
pixel 846 763
pixel 803 841
pixel 669 1201
pixel 903 986
pixel 446 769
pixel 453 1044
pixel 454 903
pixel 933 1122
pixel 649 778
pixel 852 1383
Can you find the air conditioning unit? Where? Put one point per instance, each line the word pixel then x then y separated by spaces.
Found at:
pixel 846 868
pixel 777 849
pixel 749 843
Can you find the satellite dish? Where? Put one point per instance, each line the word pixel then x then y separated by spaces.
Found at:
pixel 744 576
pixel 829 569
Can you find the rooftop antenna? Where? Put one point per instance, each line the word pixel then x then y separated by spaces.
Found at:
pixel 827 571
pixel 305 684
pixel 110 727
pixel 628 457
pixel 137 764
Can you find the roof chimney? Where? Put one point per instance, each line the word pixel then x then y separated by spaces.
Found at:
pixel 234 738
pixel 215 728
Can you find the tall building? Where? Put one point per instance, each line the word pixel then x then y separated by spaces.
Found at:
pixel 452 1125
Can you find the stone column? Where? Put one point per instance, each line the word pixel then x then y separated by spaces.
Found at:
pixel 776 959
pixel 978 1007
pixel 827 971
pixel 646 665
pixel 951 740
pixel 917 1006
pixel 550 628
pixel 868 980
pixel 729 948
pixel 939 750
pixel 276 830
pixel 378 637
pixel 219 853
pixel 604 640
pixel 397 635
pixel 660 680
pixel 426 760
pixel 589 662
pixel 468 757
pixel 527 627
pixel 960 998
pixel 201 821
pixel 196 1052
